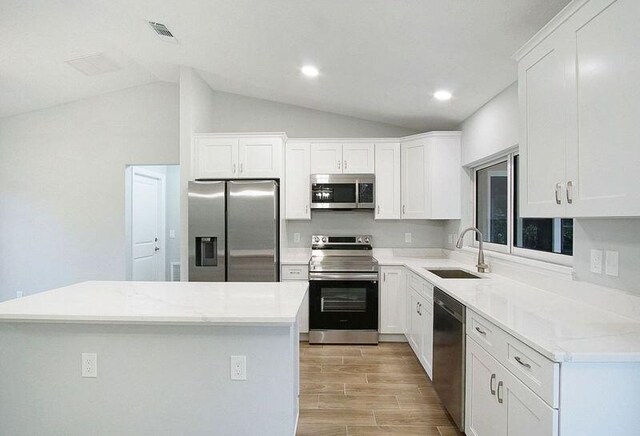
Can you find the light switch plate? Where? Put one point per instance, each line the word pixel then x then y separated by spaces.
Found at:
pixel 407 238
pixel 19 294
pixel 172 234
pixel 611 263
pixel 596 261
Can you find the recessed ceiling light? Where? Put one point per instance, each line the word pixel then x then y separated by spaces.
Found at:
pixel 310 71
pixel 442 95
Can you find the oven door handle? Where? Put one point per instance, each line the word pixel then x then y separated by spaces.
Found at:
pixel 324 276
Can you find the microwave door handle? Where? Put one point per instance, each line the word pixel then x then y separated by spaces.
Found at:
pixel 357 192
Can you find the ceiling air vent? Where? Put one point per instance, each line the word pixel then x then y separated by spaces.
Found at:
pixel 163 32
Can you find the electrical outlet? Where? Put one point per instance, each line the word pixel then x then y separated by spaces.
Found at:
pixel 90 365
pixel 596 261
pixel 407 238
pixel 19 294
pixel 296 237
pixel 172 234
pixel 238 367
pixel 611 263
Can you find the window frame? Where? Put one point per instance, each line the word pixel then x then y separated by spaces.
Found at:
pixel 510 248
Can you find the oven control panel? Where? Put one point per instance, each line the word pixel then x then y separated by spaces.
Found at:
pixel 320 240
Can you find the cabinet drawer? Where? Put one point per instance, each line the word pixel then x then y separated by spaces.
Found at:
pixel 484 332
pixel 415 282
pixel 538 373
pixel 295 272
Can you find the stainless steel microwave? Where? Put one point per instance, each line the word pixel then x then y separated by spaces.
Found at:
pixel 342 191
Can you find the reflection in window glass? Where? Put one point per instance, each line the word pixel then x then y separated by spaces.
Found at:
pixel 553 235
pixel 492 203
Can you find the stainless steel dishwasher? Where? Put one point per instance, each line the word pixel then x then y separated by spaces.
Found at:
pixel 449 354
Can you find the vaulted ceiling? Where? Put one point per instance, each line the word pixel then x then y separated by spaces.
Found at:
pixel 378 59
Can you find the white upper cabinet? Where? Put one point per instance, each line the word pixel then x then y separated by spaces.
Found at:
pixel 358 158
pixel 579 113
pixel 215 158
pixel 259 157
pixel 431 173
pixel 387 171
pixel 297 172
pixel 326 158
pixel 342 158
pixel 236 157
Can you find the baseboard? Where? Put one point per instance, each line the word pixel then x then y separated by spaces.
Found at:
pixel 384 337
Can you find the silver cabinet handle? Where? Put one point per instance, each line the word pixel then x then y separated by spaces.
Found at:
pixel 493 391
pixel 417 311
pixel 338 164
pixel 378 209
pixel 384 277
pixel 500 385
pixel 156 249
pixel 420 309
pixel 345 164
pixel 482 332
pixel 306 208
pixel 403 209
pixel 240 166
pixel 558 189
pixel 570 192
pixel 519 360
pixel 234 168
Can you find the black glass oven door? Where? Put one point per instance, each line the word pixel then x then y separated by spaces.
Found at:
pixel 343 305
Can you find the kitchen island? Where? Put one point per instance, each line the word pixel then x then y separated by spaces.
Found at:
pixel 163 354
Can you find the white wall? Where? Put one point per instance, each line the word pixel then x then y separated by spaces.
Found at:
pixel 493 130
pixel 62 184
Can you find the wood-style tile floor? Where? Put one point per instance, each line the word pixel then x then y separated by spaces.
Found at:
pixel 367 390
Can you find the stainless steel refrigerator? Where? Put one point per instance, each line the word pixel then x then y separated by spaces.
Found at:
pixel 234 231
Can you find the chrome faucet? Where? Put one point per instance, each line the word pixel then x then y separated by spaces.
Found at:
pixel 482 267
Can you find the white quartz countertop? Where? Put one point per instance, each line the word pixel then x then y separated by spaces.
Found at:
pixel 559 328
pixel 162 303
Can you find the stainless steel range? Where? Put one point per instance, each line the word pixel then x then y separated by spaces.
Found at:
pixel 343 290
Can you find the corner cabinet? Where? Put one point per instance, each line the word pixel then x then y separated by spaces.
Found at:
pixel 579 112
pixel 431 174
pixel 224 156
pixel 297 173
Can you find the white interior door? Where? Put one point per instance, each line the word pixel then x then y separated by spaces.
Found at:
pixel 147 225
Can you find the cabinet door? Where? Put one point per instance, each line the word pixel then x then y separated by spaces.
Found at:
pixel 413 320
pixel 326 158
pixel 215 158
pixel 426 327
pixel 526 413
pixel 444 171
pixel 602 162
pixel 387 171
pixel 259 157
pixel 484 415
pixel 297 161
pixel 543 87
pixel 414 181
pixel 358 158
pixel 393 301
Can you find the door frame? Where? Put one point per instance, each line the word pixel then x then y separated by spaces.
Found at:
pixel 130 172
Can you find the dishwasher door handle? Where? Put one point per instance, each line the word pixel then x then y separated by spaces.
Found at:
pixel 449 311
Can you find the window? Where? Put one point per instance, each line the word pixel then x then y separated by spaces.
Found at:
pixel 503 229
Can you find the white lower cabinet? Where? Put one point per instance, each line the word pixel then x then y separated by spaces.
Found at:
pixel 499 404
pixel 420 320
pixel 301 273
pixel 392 300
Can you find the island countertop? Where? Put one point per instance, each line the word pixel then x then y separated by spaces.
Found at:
pixel 121 302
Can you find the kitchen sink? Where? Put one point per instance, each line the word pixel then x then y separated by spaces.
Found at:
pixel 452 273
